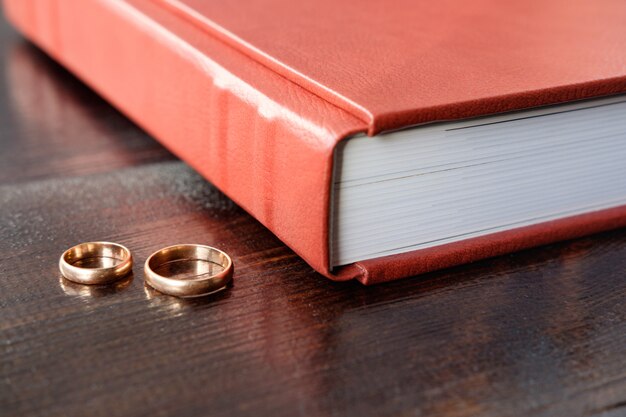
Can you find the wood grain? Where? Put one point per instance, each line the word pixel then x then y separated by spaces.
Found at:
pixel 541 332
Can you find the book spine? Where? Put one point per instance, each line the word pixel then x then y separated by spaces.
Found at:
pixel 263 140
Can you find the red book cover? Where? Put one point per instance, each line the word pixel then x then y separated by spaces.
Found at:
pixel 255 95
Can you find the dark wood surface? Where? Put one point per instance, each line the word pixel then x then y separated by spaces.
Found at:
pixel 541 332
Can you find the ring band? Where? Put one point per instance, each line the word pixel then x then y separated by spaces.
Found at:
pixel 98 275
pixel 203 283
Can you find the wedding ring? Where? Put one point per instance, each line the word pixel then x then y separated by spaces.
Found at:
pixel 96 263
pixel 194 270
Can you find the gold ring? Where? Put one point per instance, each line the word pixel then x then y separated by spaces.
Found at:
pixel 96 263
pixel 195 264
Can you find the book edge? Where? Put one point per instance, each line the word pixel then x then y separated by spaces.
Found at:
pixel 218 31
pixel 389 268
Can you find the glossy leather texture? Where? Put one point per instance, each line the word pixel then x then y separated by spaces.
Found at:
pixel 255 95
pixel 403 62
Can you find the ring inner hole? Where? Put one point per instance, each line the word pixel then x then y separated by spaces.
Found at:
pixel 95 255
pixel 97 262
pixel 184 269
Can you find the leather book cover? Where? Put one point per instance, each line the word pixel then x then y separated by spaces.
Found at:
pixel 256 94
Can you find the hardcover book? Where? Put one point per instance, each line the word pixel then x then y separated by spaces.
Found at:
pixel 378 140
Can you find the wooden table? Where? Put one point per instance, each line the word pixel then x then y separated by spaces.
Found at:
pixel 541 332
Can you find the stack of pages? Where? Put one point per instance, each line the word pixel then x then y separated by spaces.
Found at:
pixel 427 186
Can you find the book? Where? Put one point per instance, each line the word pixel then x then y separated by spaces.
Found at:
pixel 378 141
